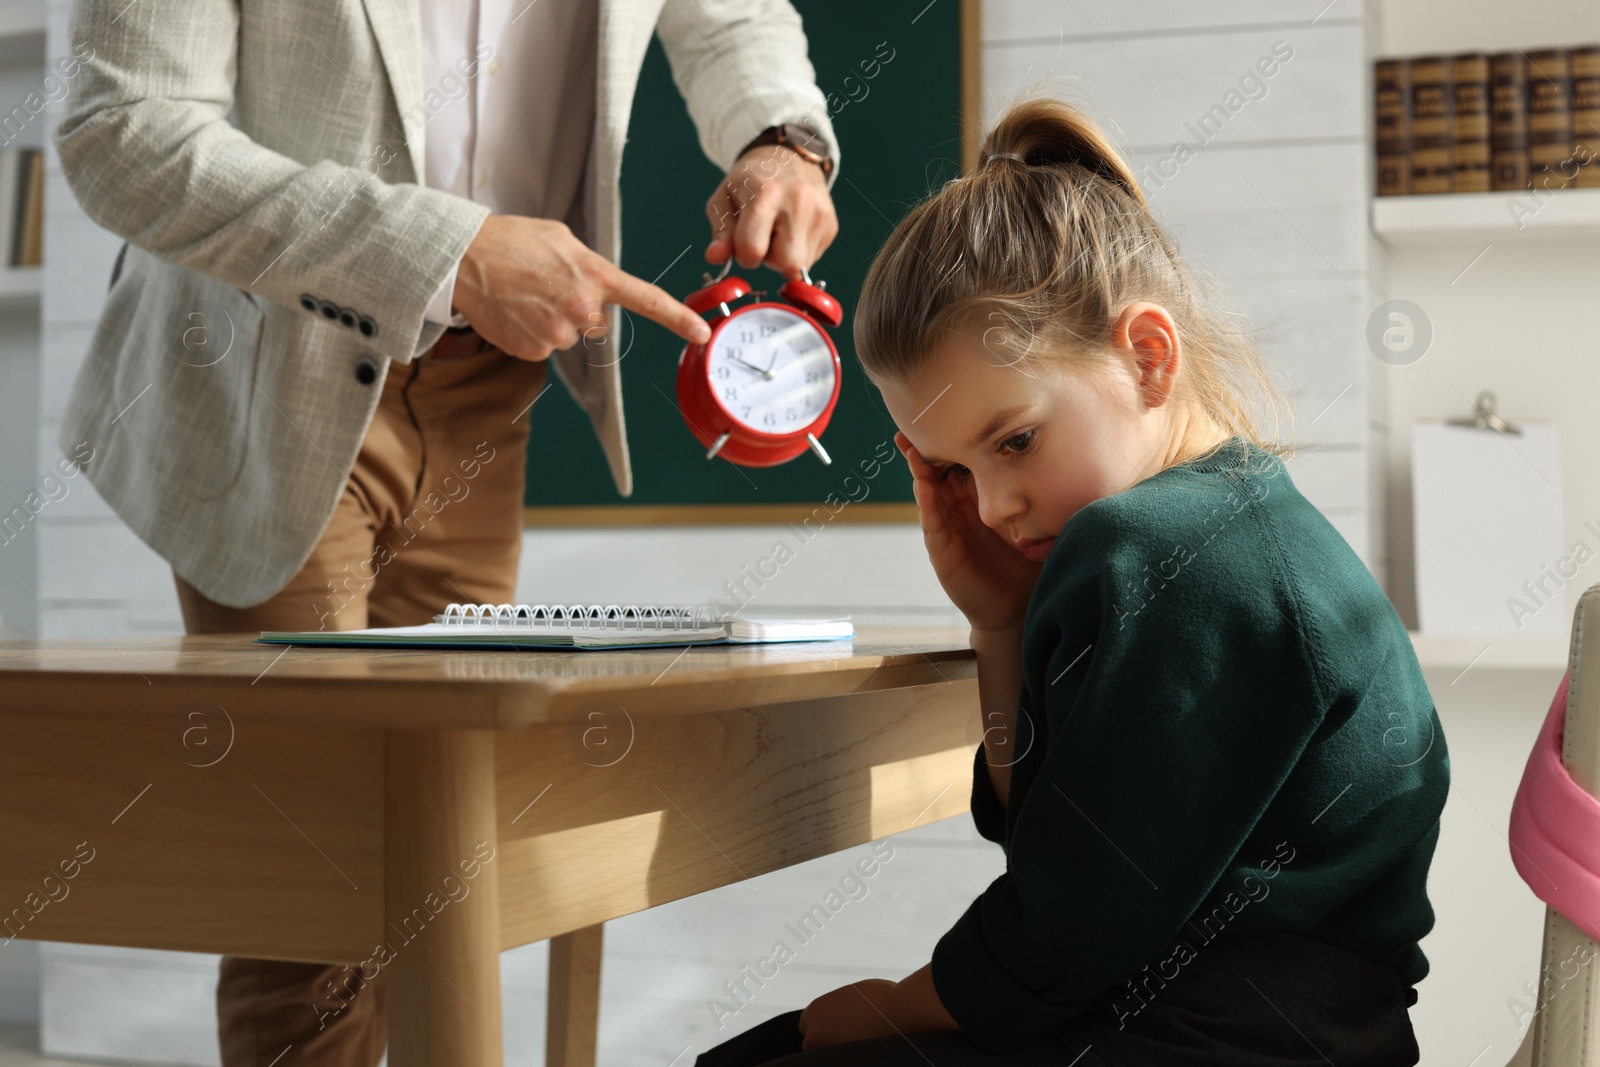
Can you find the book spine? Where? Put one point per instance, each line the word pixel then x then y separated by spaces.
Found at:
pixel 19 205
pixel 1508 128
pixel 32 247
pixel 1391 99
pixel 1431 108
pixel 1469 80
pixel 1549 119
pixel 1585 64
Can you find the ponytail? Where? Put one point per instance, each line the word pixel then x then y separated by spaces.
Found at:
pixel 1049 133
pixel 1049 239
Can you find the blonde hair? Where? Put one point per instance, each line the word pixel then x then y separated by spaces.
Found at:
pixel 1046 242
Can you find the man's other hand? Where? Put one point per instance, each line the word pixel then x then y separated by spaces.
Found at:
pixel 773 208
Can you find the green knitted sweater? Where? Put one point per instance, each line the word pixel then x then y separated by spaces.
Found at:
pixel 1223 726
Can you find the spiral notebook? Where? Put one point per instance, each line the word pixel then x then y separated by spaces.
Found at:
pixel 594 626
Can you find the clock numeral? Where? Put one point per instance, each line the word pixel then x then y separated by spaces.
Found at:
pixel 730 393
pixel 746 410
pixel 789 414
pixel 747 337
pixel 813 376
pixel 733 353
pixel 768 329
pixel 770 418
pixel 722 371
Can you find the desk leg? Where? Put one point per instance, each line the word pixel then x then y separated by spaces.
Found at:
pixel 444 927
pixel 573 1014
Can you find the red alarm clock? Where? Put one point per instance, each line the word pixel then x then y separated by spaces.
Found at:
pixel 761 390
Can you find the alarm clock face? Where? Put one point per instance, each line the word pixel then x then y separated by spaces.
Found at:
pixel 772 370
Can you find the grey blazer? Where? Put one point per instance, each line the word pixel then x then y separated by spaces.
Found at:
pixel 263 162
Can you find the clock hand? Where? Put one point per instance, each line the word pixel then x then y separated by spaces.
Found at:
pixel 752 366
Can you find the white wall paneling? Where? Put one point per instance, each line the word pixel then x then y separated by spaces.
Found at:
pixel 21 73
pixel 1265 189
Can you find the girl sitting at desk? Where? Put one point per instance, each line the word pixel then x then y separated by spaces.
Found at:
pixel 1210 755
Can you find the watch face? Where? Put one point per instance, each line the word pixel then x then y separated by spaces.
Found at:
pixel 771 369
pixel 805 139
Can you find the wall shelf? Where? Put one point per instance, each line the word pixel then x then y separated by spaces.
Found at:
pixel 1493 651
pixel 1557 214
pixel 20 285
pixel 23 19
pixel 22 32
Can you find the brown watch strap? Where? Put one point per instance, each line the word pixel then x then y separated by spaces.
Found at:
pixel 795 142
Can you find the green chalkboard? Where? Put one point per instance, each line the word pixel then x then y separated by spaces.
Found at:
pixel 900 135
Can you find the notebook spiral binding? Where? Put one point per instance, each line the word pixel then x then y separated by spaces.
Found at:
pixel 579 616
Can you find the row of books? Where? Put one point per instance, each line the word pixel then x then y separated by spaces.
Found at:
pixel 22 206
pixel 1480 122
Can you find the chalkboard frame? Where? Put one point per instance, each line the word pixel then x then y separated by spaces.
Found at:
pixel 626 514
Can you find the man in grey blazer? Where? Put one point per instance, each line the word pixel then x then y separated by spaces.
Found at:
pixel 310 386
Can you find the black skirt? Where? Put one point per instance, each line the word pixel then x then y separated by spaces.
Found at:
pixel 1262 998
pixel 1250 999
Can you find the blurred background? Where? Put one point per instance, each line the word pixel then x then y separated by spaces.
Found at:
pixel 1389 314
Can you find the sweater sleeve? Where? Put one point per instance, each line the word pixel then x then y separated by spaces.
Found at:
pixel 987 814
pixel 1172 711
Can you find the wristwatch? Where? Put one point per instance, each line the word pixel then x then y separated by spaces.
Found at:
pixel 802 140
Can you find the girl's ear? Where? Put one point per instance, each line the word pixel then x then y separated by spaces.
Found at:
pixel 1146 335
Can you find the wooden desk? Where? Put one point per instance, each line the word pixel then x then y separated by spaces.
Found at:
pixel 325 804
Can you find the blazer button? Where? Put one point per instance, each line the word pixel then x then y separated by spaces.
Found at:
pixel 347 317
pixel 308 301
pixel 366 371
pixel 368 327
pixel 330 311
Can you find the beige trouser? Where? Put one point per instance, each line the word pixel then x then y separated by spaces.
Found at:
pixel 432 514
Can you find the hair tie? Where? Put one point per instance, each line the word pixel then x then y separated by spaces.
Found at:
pixel 1007 155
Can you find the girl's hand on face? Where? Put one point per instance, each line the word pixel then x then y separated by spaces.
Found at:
pixel 982 574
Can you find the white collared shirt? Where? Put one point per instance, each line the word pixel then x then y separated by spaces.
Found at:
pixel 508 106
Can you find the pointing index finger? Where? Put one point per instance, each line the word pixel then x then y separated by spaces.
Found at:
pixel 658 305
